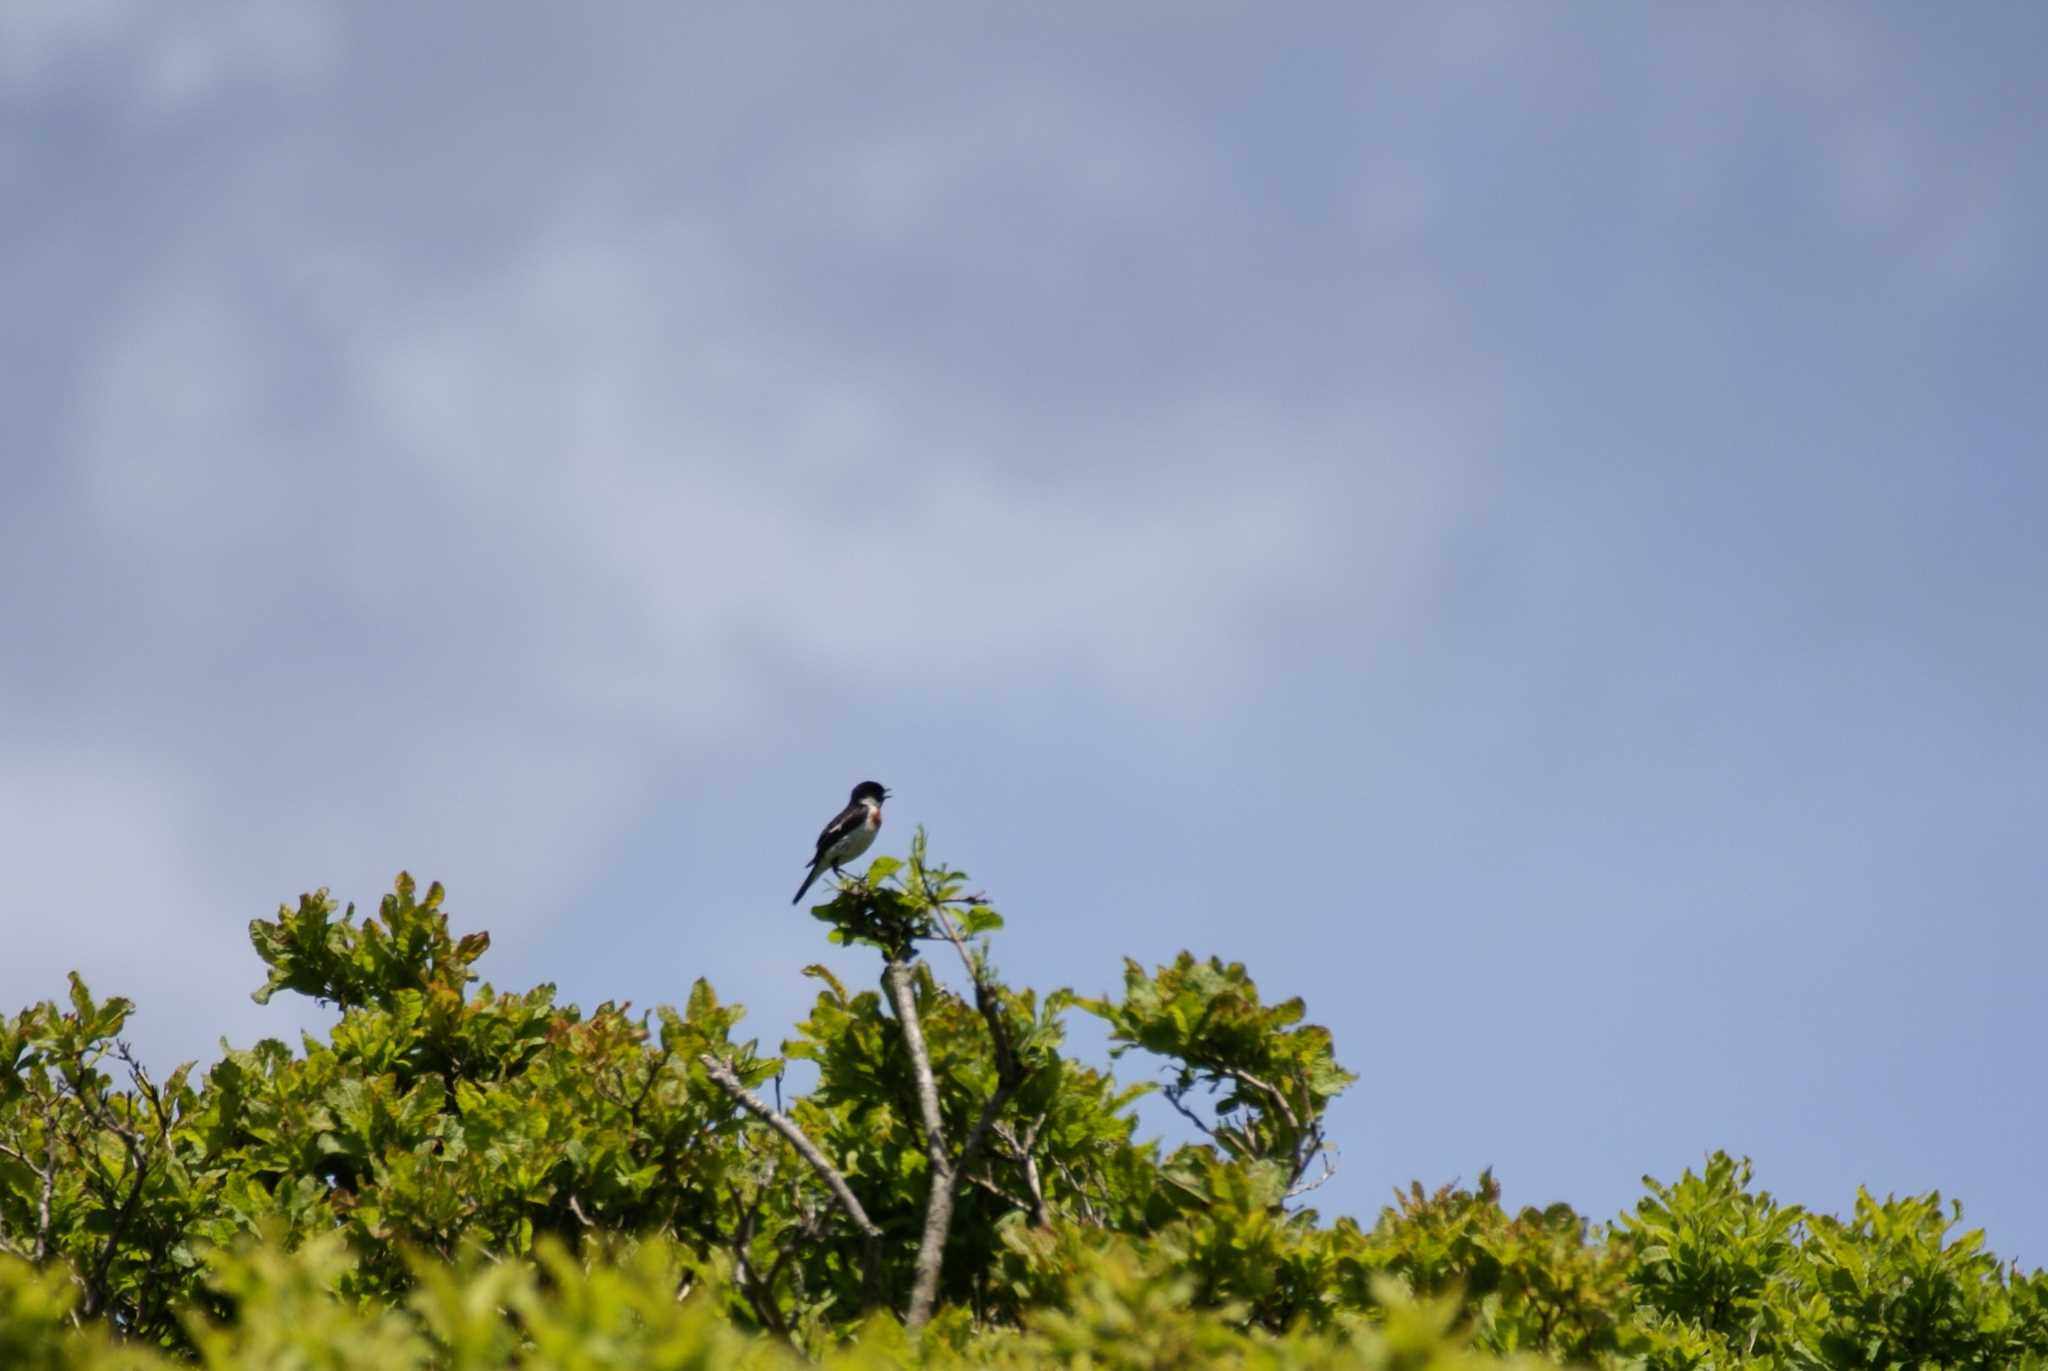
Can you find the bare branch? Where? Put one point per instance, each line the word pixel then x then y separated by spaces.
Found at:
pixel 1031 1183
pixel 1300 1187
pixel 947 1174
pixel 49 1181
pixel 1020 1151
pixel 938 1209
pixel 1010 1077
pixel 1311 1145
pixel 805 1148
pixel 1080 1189
pixel 1271 1092
pixel 896 980
pixel 47 1174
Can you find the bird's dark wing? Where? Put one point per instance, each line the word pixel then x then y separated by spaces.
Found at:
pixel 849 819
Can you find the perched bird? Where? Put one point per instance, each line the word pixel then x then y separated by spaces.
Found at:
pixel 849 834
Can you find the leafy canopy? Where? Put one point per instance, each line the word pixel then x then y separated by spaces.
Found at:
pixel 457 1176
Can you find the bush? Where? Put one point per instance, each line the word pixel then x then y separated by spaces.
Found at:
pixel 457 1176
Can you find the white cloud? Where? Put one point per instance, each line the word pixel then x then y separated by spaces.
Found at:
pixel 686 500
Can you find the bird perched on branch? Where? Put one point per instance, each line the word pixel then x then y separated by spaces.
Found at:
pixel 849 834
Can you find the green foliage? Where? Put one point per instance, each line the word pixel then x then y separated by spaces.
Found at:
pixel 406 948
pixel 430 1117
pixel 645 1305
pixel 1530 1281
pixel 1274 1079
pixel 896 904
pixel 1707 1250
pixel 455 1176
pixel 1890 1288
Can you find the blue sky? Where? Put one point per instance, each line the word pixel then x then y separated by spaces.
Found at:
pixel 1522 524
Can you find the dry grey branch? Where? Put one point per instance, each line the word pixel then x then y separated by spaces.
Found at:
pixel 1020 1151
pixel 1300 1187
pixel 896 980
pixel 729 1082
pixel 46 1177
pixel 948 1173
pixel 938 1210
pixel 1271 1092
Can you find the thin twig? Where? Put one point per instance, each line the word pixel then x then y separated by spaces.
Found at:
pixel 1010 1073
pixel 139 1167
pixel 1005 1196
pixel 1299 1187
pixel 1269 1091
pixel 805 1232
pixel 1173 1094
pixel 647 1087
pixel 1075 1184
pixel 985 997
pixel 1311 1146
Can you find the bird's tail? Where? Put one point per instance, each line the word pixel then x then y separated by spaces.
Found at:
pixel 815 869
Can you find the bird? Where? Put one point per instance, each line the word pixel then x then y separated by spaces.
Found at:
pixel 849 834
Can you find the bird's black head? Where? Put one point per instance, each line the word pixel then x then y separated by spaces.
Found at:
pixel 869 790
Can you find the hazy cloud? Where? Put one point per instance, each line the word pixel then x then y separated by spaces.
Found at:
pixel 1523 527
